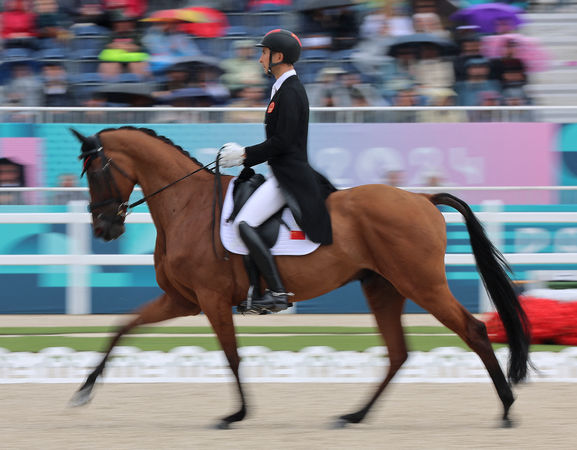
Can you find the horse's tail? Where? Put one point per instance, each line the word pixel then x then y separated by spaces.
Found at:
pixel 493 269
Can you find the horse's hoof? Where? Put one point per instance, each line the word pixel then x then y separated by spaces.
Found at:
pixel 507 423
pixel 339 424
pixel 222 425
pixel 80 398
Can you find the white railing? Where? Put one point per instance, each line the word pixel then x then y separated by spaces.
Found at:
pixel 158 115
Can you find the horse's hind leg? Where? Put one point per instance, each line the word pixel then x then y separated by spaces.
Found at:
pixel 443 305
pixel 386 304
pixel 158 310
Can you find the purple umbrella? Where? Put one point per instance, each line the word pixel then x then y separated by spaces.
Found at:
pixel 487 16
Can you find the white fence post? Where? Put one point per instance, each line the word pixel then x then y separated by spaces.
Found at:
pixel 495 232
pixel 78 298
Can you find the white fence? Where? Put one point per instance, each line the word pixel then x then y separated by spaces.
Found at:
pixel 318 364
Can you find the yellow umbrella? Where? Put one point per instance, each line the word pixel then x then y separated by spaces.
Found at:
pixel 176 15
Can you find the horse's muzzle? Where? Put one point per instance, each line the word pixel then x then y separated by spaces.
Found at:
pixel 107 229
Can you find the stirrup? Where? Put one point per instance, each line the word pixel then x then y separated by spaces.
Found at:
pixel 270 302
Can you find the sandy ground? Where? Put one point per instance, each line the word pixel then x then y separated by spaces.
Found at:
pixel 285 416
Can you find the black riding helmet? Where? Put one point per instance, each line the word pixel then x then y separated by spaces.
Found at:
pixel 282 41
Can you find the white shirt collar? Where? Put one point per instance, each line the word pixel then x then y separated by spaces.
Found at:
pixel 280 80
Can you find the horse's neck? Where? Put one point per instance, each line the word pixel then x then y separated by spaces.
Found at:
pixel 157 165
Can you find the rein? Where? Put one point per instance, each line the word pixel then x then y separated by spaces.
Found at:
pixel 158 191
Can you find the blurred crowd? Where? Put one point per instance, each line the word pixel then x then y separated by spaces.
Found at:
pixel 355 53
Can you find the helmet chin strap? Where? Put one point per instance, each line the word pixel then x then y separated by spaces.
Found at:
pixel 271 64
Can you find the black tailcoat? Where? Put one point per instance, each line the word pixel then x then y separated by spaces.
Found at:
pixel 285 150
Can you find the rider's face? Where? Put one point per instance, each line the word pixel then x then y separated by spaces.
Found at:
pixel 264 58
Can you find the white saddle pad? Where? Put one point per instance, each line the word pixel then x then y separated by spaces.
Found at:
pixel 289 242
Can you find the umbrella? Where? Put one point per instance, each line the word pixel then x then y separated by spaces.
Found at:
pixel 176 15
pixel 193 96
pixel 214 25
pixel 134 94
pixel 487 16
pixel 417 40
pixel 527 49
pixel 310 5
pixel 196 63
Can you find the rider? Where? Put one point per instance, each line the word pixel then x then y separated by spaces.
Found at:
pixel 285 150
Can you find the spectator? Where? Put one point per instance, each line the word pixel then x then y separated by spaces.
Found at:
pixel 50 23
pixel 178 76
pixel 166 44
pixel 242 69
pixel 400 73
pixel 470 47
pixel 87 12
pixel 370 54
pixel 477 81
pixel 330 29
pixel 130 8
pixel 55 85
pixel 62 197
pixel 433 71
pixel 407 96
pixel 430 23
pixel 24 87
pixel 442 97
pixel 491 99
pixel 516 96
pixel 124 51
pixel 17 23
pixel 11 175
pixel 509 70
pixel 249 96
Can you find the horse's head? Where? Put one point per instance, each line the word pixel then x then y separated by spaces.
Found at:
pixel 109 189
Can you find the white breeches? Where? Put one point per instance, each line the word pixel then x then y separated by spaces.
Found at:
pixel 262 204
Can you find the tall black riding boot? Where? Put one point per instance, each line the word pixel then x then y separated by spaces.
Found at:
pixel 275 297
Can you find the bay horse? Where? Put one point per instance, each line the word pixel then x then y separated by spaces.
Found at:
pixel 392 240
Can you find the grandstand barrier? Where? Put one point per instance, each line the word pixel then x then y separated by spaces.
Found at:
pixel 79 258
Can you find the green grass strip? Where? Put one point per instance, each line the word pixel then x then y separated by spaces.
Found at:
pixel 292 343
pixel 208 330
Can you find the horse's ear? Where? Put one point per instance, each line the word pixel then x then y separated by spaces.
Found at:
pixel 79 136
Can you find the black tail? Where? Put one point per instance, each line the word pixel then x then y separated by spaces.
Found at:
pixel 493 269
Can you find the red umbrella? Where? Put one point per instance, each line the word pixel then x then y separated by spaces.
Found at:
pixel 214 26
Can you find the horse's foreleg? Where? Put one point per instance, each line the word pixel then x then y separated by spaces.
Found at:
pixel 386 304
pixel 157 310
pixel 219 313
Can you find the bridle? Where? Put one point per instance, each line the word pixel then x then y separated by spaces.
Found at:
pixel 102 179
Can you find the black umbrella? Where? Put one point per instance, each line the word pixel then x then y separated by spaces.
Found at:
pixel 134 94
pixel 418 40
pixel 193 96
pixel 310 5
pixel 196 63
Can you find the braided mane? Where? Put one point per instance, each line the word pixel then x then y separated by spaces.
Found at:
pixel 164 139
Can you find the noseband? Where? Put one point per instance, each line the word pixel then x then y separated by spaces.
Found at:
pixel 102 179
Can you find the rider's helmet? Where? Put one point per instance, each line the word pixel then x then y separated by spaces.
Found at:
pixel 283 41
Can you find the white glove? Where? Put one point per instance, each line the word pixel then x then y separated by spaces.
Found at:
pixel 231 155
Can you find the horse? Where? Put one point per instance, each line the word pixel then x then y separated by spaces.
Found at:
pixel 393 241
